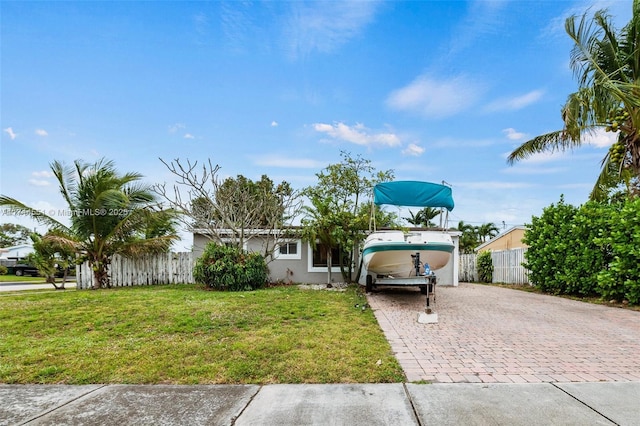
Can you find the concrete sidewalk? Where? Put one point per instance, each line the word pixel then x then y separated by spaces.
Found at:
pixel 604 403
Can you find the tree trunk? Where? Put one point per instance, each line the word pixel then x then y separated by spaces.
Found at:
pixel 329 265
pixel 100 274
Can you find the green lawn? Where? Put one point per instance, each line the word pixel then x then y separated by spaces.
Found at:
pixel 13 278
pixel 184 334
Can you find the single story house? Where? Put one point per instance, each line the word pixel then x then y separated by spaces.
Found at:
pixel 295 260
pixel 16 252
pixel 507 240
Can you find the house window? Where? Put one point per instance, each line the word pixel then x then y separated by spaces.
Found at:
pixel 288 250
pixel 318 261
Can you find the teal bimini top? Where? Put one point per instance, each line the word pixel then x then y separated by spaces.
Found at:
pixel 413 193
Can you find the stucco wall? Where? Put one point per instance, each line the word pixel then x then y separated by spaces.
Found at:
pixel 300 270
pixel 510 240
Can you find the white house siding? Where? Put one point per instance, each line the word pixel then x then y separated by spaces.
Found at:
pixel 20 251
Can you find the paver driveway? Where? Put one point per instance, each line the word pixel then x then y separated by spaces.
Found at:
pixel 498 335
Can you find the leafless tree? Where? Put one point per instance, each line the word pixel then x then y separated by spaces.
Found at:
pixel 231 210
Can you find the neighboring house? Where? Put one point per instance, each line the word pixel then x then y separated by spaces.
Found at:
pixel 507 240
pixel 14 252
pixel 296 261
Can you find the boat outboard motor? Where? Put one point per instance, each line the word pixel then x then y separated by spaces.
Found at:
pixel 416 262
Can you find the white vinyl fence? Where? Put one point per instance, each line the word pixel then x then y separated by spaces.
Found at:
pixel 507 267
pixel 165 268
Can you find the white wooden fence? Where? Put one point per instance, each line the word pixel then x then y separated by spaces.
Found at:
pixel 467 269
pixel 507 267
pixel 176 268
pixel 166 268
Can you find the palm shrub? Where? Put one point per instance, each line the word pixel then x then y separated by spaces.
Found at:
pixel 110 213
pixel 230 268
pixel 485 267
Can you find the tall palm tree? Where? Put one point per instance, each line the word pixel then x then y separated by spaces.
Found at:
pixel 109 214
pixel 607 65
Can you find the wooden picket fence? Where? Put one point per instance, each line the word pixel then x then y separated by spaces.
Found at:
pixel 166 268
pixel 176 268
pixel 507 267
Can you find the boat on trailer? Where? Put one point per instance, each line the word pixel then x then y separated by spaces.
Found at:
pixel 398 258
pixel 393 253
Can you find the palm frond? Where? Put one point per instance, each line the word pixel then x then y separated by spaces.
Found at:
pixel 20 209
pixel 548 142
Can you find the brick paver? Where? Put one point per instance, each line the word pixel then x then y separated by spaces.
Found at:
pixel 489 334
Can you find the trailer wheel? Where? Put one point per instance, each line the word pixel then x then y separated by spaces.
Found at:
pixel 369 286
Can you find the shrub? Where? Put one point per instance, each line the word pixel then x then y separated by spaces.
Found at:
pixel 590 250
pixel 485 267
pixel 230 268
pixel 621 279
pixel 549 240
pixel 584 258
pixel 4 270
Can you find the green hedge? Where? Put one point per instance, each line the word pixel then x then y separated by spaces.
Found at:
pixel 230 268
pixel 592 250
pixel 621 279
pixel 485 267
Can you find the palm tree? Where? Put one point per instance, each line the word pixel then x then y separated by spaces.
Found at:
pixel 109 214
pixel 423 217
pixel 607 65
pixel 486 231
pixel 469 237
pixel 320 227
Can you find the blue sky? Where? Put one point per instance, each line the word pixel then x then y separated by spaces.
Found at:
pixel 434 90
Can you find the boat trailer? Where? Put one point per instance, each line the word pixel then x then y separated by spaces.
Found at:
pixel 425 281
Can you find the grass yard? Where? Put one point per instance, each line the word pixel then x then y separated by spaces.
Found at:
pixel 186 335
pixel 13 278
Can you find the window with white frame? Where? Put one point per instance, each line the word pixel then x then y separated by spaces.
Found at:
pixel 288 250
pixel 318 260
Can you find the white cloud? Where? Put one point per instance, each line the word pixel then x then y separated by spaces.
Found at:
pixel 600 138
pixel 288 162
pixel 413 150
pixel 325 26
pixel 435 98
pixel 41 132
pixel 10 132
pixel 358 134
pixel 188 136
pixel 274 124
pixel 42 174
pixel 39 182
pixel 175 127
pixel 512 134
pixel 515 103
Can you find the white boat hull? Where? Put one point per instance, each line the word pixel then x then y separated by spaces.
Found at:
pixel 389 253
